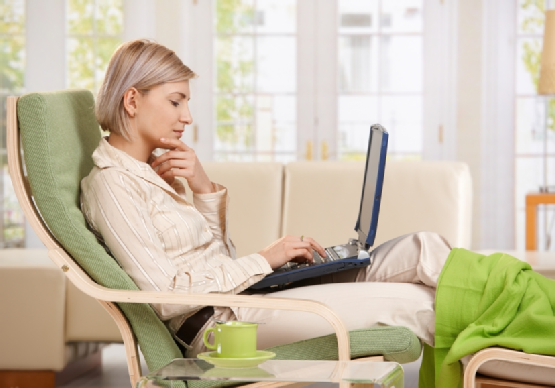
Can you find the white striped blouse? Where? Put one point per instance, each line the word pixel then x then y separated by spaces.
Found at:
pixel 159 238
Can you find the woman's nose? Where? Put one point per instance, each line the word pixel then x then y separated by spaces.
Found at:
pixel 186 117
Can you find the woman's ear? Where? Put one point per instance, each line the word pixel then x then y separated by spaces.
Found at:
pixel 130 101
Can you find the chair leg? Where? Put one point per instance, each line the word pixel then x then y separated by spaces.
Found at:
pixel 129 341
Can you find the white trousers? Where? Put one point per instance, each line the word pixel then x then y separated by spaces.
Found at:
pixel 398 289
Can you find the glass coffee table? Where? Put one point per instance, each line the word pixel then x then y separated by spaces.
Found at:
pixel 320 373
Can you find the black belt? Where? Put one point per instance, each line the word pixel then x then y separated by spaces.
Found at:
pixel 192 325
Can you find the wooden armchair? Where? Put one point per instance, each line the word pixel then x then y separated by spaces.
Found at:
pixel 50 140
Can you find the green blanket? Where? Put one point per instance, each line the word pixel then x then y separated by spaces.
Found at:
pixel 484 301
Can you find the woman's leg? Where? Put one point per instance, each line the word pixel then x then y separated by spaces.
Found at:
pixel 359 305
pixel 412 258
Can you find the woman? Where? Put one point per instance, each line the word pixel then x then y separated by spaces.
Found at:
pixel 135 202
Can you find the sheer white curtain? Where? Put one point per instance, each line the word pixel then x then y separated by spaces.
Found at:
pixel 497 180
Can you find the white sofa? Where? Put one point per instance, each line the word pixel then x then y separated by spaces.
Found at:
pixel 47 323
pixel 321 200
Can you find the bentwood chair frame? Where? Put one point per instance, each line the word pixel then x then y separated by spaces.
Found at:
pixel 472 380
pixel 108 297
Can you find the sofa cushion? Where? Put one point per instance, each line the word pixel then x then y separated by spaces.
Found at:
pixel 255 190
pixel 417 196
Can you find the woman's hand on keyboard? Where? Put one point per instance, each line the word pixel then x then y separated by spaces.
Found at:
pixel 291 248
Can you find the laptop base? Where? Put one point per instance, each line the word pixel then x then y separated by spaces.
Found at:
pixel 340 258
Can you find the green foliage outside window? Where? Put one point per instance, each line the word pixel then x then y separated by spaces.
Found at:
pixel 531 55
pixel 94 32
pixel 12 71
pixel 12 45
pixel 234 72
pixel 94 29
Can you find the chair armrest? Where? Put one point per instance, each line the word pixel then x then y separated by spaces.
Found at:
pixel 80 279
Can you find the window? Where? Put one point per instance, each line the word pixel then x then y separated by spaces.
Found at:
pixel 286 89
pixel 535 121
pixel 74 58
pixel 94 29
pixel 255 72
pixel 380 75
pixel 12 70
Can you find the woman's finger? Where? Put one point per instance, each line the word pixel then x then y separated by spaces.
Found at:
pixel 175 144
pixel 173 154
pixel 317 247
pixel 171 162
pixel 299 244
pixel 181 168
pixel 300 253
pixel 308 242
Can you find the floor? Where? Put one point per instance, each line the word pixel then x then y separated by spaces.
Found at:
pixel 114 372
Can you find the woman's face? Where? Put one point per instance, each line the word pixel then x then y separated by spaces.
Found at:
pixel 163 112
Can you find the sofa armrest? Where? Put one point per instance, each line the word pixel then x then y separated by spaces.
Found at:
pixel 33 311
pixel 87 320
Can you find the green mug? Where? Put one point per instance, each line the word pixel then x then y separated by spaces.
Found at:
pixel 232 339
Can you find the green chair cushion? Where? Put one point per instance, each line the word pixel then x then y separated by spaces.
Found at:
pixel 395 343
pixel 59 134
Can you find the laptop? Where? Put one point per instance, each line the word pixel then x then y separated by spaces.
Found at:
pixel 354 254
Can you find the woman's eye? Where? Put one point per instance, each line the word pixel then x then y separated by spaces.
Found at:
pixel 175 103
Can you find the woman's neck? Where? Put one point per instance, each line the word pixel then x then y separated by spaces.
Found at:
pixel 134 148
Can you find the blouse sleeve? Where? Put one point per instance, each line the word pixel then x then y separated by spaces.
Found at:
pixel 117 207
pixel 214 208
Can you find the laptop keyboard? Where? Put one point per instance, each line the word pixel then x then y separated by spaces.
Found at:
pixel 317 259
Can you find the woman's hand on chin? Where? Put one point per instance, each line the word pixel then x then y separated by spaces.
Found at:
pixel 182 161
pixel 291 248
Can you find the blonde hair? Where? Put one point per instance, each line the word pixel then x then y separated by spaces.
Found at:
pixel 141 64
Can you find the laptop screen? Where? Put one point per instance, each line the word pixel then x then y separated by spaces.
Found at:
pixel 372 186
